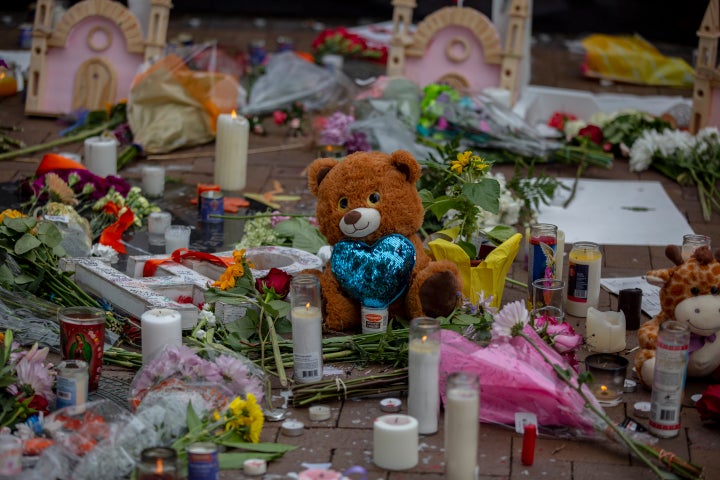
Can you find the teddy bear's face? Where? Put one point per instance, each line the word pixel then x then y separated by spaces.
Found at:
pixel 691 294
pixel 366 196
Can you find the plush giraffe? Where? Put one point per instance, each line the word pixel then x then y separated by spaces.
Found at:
pixel 689 293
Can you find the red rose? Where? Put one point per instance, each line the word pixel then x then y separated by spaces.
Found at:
pixel 559 119
pixel 593 132
pixel 709 405
pixel 279 117
pixel 276 279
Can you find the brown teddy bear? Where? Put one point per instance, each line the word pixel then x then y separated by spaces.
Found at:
pixel 369 210
pixel 690 294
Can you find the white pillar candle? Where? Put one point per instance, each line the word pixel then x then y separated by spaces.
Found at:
pixel 160 328
pixel 176 236
pixel 395 442
pixel 307 343
pixel 424 373
pixel 101 155
pixel 153 181
pixel 462 424
pixel 306 319
pixel 231 149
pixel 605 331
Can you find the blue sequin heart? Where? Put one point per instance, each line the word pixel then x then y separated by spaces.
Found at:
pixel 374 275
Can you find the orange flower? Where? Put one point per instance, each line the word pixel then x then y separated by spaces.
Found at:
pixel 9 213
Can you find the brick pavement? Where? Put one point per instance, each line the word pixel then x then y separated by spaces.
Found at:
pixel 346 439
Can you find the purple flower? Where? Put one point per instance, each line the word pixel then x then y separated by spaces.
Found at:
pixel 357 143
pixel 34 376
pixel 336 131
pixel 237 376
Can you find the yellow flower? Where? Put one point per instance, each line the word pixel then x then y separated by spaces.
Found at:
pixel 478 163
pixel 9 213
pixel 256 418
pixel 246 416
pixel 463 159
pixel 232 272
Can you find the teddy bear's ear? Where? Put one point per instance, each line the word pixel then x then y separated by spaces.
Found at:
pixel 317 171
pixel 406 164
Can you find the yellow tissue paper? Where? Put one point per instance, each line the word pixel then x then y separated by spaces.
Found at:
pixel 489 276
pixel 632 59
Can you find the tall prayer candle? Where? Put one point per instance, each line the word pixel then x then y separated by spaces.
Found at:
pixel 583 289
pixel 424 372
pixel 605 331
pixel 395 442
pixel 101 155
pixel 161 327
pixel 231 150
pixel 306 319
pixel 462 417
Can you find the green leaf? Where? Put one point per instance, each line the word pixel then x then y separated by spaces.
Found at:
pixel 26 243
pixel 485 194
pixel 23 279
pixel 262 447
pixel 441 205
pixel 193 421
pixel 469 249
pixel 243 327
pixel 500 233
pixel 21 224
pixel 6 276
pixel 49 234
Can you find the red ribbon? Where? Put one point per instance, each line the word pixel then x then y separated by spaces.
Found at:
pixel 53 161
pixel 113 233
pixel 181 254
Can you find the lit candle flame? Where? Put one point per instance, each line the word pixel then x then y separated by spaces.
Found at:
pixel 233 114
pixel 603 389
pixel 307 306
pixel 424 339
pixel 159 466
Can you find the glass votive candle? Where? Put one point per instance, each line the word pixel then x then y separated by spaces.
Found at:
pixel 157 223
pixel 153 181
pixel 608 377
pixel 157 463
pixel 176 236
pixel 11 452
pixel 331 151
pixel 548 298
pixel 692 242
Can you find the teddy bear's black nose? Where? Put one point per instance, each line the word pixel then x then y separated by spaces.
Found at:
pixel 352 217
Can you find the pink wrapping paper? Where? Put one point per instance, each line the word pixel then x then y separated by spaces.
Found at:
pixel 515 378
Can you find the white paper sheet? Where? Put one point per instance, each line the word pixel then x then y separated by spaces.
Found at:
pixel 617 212
pixel 650 293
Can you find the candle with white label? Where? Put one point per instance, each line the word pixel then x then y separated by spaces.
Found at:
pixel 605 331
pixel 306 319
pixel 161 328
pixel 462 417
pixel 231 150
pixel 395 442
pixel 101 155
pixel 424 373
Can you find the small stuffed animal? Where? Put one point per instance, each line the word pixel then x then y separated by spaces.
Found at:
pixel 690 294
pixel 369 210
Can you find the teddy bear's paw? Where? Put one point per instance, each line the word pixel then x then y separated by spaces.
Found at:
pixel 439 294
